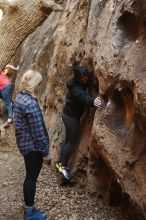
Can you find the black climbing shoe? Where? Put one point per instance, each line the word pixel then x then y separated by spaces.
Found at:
pixel 64 171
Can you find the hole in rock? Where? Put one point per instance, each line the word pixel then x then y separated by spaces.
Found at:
pixel 113 193
pixel 121 109
pixel 46 10
pixel 68 14
pixel 130 25
pixel 124 101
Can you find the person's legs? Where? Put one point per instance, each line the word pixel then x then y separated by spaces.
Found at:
pixel 72 133
pixel 1 96
pixel 72 127
pixel 33 164
pixel 65 141
pixel 6 97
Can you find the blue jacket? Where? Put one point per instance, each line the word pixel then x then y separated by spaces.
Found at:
pixel 30 130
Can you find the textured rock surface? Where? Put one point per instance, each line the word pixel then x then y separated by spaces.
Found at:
pixel 108 36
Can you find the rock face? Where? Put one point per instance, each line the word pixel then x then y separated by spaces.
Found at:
pixel 108 37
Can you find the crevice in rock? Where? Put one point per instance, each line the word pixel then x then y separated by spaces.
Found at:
pixel 120 106
pixel 120 199
pixel 80 159
pixel 109 188
pixel 129 23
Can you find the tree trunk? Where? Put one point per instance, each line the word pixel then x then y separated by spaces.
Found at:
pixel 18 22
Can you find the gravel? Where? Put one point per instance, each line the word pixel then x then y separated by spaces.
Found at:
pixel 61 203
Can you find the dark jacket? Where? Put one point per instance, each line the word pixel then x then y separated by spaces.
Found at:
pixel 30 130
pixel 77 99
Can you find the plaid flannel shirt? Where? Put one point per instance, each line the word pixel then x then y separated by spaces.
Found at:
pixel 30 130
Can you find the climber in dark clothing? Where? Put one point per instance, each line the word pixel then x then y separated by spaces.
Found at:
pixel 77 99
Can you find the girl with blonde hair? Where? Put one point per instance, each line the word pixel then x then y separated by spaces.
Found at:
pixel 32 139
pixel 30 80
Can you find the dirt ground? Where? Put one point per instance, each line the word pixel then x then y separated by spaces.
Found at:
pixel 62 203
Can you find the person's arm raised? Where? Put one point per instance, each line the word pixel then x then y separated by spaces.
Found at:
pixel 85 98
pixel 97 102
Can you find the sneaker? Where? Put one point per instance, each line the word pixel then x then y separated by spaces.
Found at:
pixel 10 120
pixel 34 214
pixel 64 171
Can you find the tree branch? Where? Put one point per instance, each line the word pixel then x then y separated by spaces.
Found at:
pixel 3 6
pixel 7 4
pixel 21 18
pixel 51 4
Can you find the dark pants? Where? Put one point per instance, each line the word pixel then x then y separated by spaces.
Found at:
pixel 6 96
pixel 33 164
pixel 72 127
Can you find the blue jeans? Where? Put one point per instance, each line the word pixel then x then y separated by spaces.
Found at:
pixel 6 96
